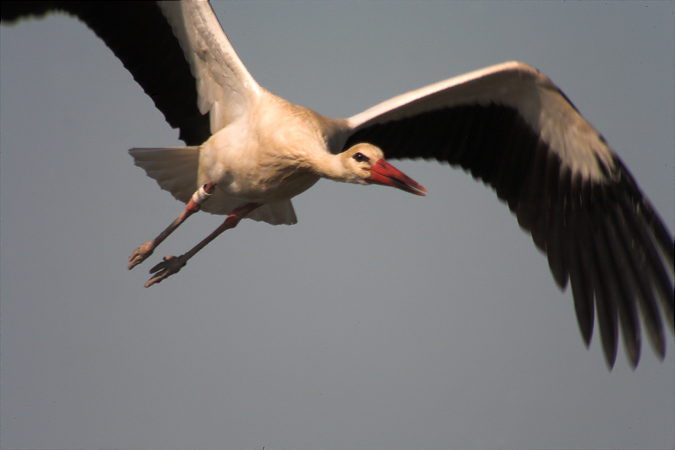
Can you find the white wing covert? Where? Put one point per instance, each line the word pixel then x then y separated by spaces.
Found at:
pixel 224 86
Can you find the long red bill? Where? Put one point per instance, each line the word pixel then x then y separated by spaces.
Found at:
pixel 384 173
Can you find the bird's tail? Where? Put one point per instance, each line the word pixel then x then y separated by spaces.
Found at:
pixel 175 169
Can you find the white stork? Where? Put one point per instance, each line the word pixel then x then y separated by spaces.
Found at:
pixel 249 152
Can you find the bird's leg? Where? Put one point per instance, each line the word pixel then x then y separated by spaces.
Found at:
pixel 173 264
pixel 200 196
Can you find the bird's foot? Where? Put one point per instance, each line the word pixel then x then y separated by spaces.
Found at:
pixel 140 254
pixel 166 268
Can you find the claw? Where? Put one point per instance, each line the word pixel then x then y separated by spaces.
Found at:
pixel 166 268
pixel 140 254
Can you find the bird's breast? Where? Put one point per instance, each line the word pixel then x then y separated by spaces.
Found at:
pixel 250 171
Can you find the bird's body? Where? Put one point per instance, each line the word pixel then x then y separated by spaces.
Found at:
pixel 509 125
pixel 272 156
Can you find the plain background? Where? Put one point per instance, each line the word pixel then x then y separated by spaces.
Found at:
pixel 381 319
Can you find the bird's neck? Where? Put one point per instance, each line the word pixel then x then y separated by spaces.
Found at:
pixel 330 166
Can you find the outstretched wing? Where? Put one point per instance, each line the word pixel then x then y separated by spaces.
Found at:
pixel 195 79
pixel 512 128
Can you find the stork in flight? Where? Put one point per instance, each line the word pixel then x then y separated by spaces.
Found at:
pixel 249 152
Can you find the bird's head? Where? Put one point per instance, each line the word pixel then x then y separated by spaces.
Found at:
pixel 365 164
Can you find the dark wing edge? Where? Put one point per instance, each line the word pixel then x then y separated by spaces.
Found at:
pixel 137 32
pixel 603 236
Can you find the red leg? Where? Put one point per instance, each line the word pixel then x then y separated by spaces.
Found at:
pixel 173 264
pixel 200 196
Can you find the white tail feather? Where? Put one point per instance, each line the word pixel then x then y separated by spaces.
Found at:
pixel 174 169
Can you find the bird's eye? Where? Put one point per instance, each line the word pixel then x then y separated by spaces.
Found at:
pixel 360 157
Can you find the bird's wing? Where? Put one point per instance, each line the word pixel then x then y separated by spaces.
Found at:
pixel 511 127
pixel 176 51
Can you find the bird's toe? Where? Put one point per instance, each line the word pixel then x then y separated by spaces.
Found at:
pixel 166 268
pixel 140 254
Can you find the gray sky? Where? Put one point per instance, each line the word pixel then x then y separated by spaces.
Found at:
pixel 381 319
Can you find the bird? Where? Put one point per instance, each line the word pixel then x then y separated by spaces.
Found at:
pixel 249 152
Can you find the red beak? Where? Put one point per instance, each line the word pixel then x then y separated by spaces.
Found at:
pixel 384 173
